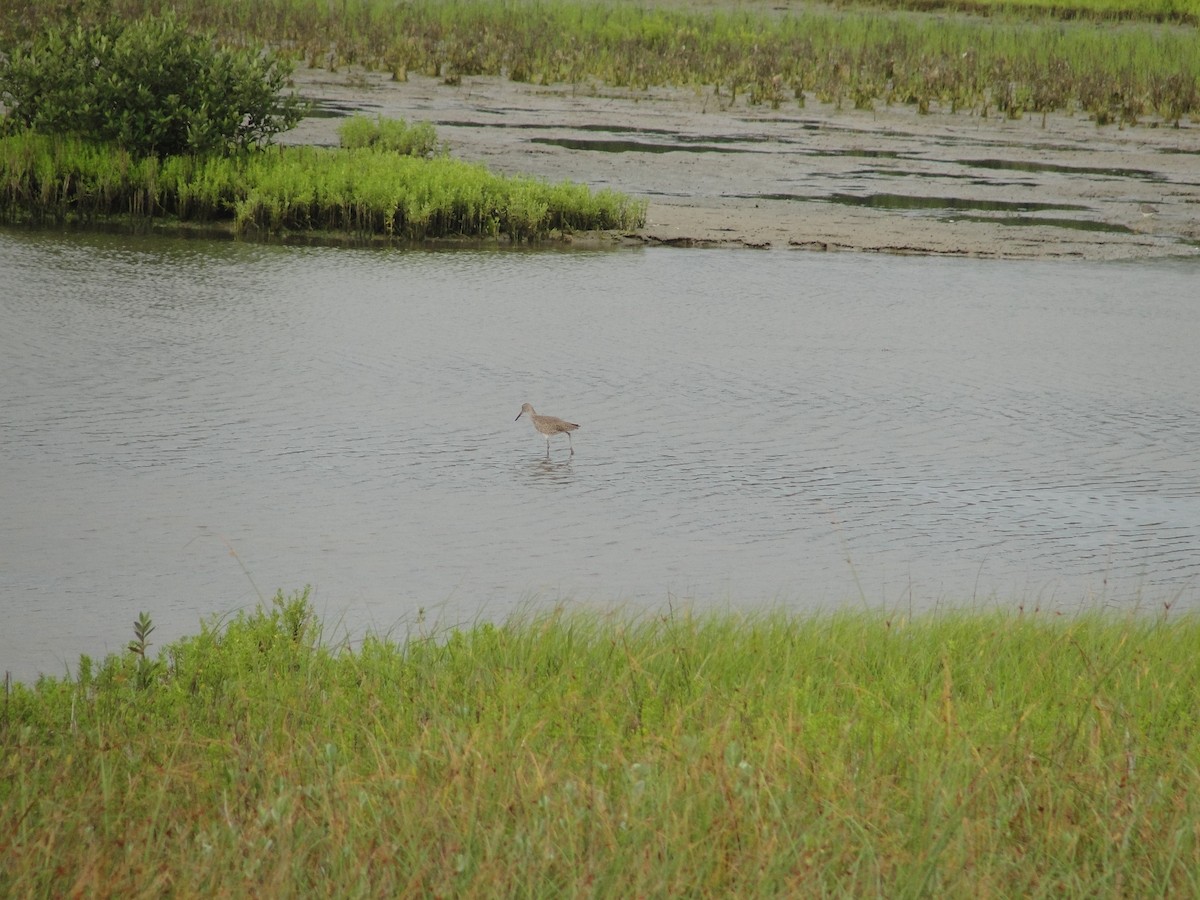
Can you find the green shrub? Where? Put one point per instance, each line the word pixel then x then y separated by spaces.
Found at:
pixel 149 86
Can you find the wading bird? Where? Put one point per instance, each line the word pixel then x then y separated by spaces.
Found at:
pixel 548 426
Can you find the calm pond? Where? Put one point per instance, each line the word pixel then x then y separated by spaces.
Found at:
pixel 188 425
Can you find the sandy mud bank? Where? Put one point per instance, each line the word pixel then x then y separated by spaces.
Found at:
pixel 885 180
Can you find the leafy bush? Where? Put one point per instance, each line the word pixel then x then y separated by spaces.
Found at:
pixel 396 135
pixel 149 86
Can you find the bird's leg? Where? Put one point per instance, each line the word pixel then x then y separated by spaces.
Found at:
pixel 571 443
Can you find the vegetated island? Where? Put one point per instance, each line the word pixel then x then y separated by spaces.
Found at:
pixel 362 194
pixel 147 124
pixel 567 753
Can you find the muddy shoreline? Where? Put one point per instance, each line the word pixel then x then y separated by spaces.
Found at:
pixel 718 173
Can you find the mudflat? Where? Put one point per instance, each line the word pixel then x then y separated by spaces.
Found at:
pixel 718 171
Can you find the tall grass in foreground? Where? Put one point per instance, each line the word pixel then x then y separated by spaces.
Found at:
pixel 565 754
pixel 365 191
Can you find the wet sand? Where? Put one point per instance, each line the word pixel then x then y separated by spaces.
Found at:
pixel 815 177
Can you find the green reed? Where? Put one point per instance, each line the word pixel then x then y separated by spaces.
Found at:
pixel 592 753
pixel 366 191
pixel 853 56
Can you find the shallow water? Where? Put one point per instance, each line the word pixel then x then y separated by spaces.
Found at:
pixel 189 424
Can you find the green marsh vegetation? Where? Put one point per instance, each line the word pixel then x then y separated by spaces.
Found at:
pixel 1116 62
pixel 143 122
pixel 147 85
pixel 566 753
pixel 369 190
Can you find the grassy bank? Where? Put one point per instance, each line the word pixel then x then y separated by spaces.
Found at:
pixel 1008 64
pixel 985 754
pixel 363 191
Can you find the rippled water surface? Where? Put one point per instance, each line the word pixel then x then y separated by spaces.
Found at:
pixel 187 424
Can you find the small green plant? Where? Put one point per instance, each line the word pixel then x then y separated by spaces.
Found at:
pixel 145 668
pixel 142 627
pixel 147 85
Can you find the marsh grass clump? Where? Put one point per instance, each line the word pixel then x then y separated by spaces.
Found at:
pixel 394 135
pixel 565 753
pixel 368 192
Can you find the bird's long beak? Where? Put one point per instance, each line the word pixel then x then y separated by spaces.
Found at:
pixel 521 413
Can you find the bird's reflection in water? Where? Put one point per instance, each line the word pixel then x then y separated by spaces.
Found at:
pixel 546 470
